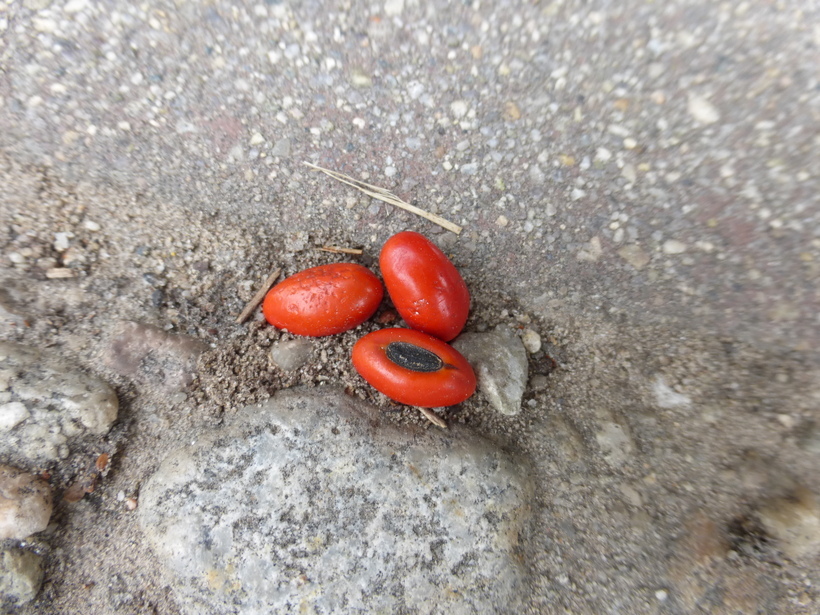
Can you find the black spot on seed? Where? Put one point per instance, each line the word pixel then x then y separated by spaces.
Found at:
pixel 413 357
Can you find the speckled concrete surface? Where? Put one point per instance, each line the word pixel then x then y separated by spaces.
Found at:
pixel 637 179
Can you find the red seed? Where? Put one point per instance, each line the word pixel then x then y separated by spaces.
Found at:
pixel 324 300
pixel 414 368
pixel 426 288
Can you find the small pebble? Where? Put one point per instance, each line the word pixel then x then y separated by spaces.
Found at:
pixel 393 8
pixel 634 256
pixel 62 241
pixel 21 575
pixel 531 340
pixel 702 110
pixel 603 154
pixel 25 503
pixel 60 403
pixel 459 109
pixel 500 362
pixel 292 354
pixel 281 149
pixel 661 595
pixel 673 246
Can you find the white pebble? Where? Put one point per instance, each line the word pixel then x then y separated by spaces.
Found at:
pixel 257 139
pixel 62 241
pixel 42 24
pixel 75 6
pixel 92 226
pixel 661 595
pixel 389 171
pixel 531 340
pixel 603 154
pixel 502 221
pixel 673 246
pixel 702 110
pixel 392 8
pixel 459 109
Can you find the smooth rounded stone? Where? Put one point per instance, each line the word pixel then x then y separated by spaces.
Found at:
pixel 500 363
pixel 795 523
pixel 531 340
pixel 310 503
pixel 21 574
pixel 25 503
pixel 168 360
pixel 291 354
pixel 45 401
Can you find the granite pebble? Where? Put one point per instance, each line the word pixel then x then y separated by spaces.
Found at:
pixel 25 503
pixel 500 362
pixel 45 402
pixel 21 575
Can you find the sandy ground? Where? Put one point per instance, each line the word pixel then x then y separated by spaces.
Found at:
pixel 636 183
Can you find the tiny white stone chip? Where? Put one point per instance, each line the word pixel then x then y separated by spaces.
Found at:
pixel 673 246
pixel 531 340
pixel 702 110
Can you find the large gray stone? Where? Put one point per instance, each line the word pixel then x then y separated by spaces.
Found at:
pixel 309 503
pixel 500 363
pixel 45 401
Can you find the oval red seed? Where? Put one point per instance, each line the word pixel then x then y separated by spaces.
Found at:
pixel 426 288
pixel 414 368
pixel 324 300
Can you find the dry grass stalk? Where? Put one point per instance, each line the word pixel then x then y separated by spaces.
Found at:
pixel 258 297
pixel 336 250
pixel 387 197
pixel 434 418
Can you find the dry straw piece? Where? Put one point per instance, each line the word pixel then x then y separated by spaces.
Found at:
pixel 387 197
pixel 258 297
pixel 337 250
pixel 434 418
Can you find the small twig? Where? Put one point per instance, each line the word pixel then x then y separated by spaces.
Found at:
pixel 336 250
pixel 387 197
pixel 258 297
pixel 434 418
